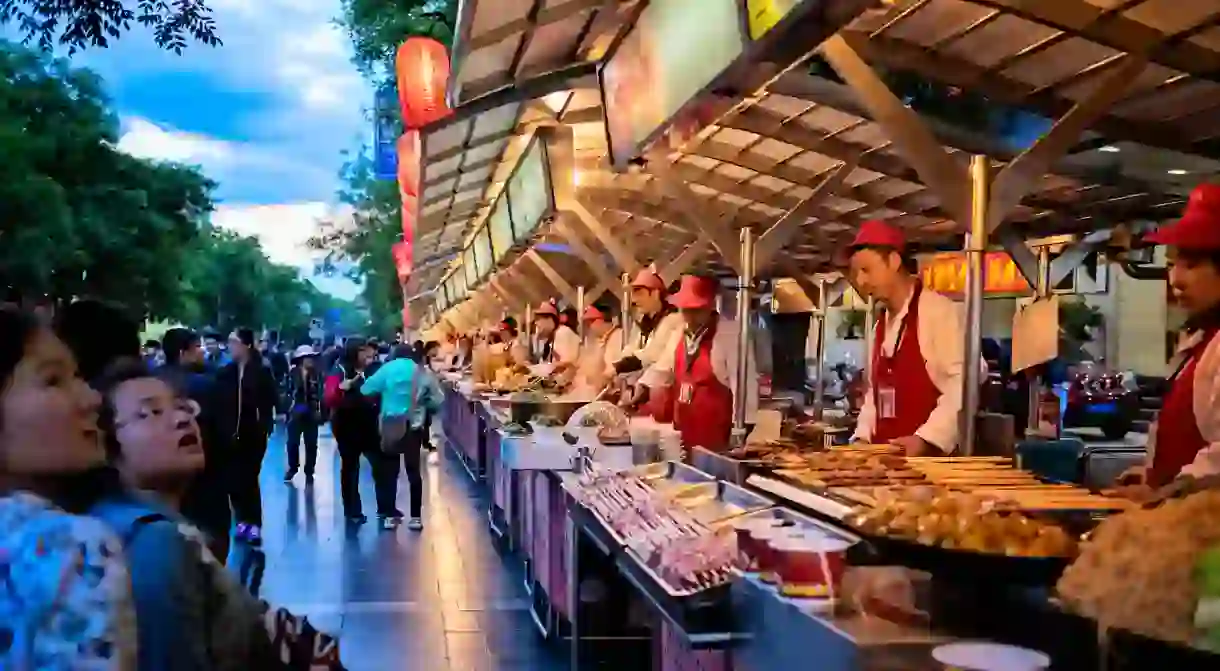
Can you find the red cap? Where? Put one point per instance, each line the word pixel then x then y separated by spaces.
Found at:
pixel 695 292
pixel 592 314
pixel 648 278
pixel 547 308
pixel 1199 227
pixel 874 233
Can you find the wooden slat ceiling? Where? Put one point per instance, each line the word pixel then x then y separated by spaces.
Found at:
pixel 468 159
pixel 766 158
pixel 1048 54
pixel 503 42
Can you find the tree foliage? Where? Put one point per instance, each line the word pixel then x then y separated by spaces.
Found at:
pixel 377 27
pixel 365 240
pixel 79 24
pixel 78 217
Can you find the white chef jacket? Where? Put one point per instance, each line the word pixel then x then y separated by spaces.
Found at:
pixel 662 343
pixel 598 355
pixel 1206 406
pixel 566 346
pixel 724 364
pixel 941 341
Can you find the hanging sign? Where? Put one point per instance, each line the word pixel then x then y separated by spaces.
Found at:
pixel 385 155
pixel 946 274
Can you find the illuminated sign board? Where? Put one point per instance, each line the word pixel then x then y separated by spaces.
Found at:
pixel 529 191
pixel 762 15
pixel 946 274
pixel 674 51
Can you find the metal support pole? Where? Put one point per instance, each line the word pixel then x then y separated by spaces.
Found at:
pixel 580 311
pixel 870 333
pixel 745 283
pixel 624 307
pixel 819 394
pixel 976 247
pixel 1041 290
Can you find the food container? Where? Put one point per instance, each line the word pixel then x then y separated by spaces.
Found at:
pixel 644 436
pixel 810 565
pixel 766 557
pixel 982 656
pixel 746 529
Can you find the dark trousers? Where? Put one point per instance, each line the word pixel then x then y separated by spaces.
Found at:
pixel 249 450
pixel 302 426
pixel 352 446
pixel 387 480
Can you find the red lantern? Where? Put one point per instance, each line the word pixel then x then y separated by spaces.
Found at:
pixel 408 217
pixel 422 68
pixel 403 263
pixel 408 163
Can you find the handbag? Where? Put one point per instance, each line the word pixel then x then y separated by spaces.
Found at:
pixel 394 428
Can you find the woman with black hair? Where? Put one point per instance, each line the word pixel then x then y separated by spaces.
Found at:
pixel 1185 441
pixel 353 421
pixel 248 397
pixel 66 597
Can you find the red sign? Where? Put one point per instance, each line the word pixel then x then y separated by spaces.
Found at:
pixel 946 274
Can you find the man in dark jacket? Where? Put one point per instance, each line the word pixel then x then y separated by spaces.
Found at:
pixel 206 503
pixel 246 414
pixel 304 401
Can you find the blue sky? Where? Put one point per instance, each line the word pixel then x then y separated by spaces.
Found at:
pixel 267 115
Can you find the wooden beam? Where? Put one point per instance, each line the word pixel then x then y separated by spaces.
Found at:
pixel 622 253
pixel 584 253
pixel 942 173
pixel 773 240
pixel 565 288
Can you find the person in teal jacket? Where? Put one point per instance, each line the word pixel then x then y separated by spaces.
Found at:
pixel 403 393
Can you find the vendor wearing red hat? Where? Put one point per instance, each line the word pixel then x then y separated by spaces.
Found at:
pixel 701 368
pixel 1185 442
pixel 602 347
pixel 914 396
pixel 654 335
pixel 554 342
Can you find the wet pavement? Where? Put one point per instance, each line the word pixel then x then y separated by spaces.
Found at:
pixel 437 600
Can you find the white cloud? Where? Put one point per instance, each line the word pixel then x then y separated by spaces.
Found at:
pixel 146 139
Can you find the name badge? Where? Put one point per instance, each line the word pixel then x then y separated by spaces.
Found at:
pixel 686 392
pixel 887 402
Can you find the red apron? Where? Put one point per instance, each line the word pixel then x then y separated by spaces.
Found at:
pixel 1176 438
pixel 703 406
pixel 904 396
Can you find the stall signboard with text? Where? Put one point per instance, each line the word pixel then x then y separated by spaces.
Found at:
pixel 946 274
pixel 385 134
pixel 500 223
pixel 470 271
pixel 482 253
pixel 530 197
pixel 676 49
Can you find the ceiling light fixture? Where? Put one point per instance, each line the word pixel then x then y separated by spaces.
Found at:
pixel 1109 149
pixel 1177 171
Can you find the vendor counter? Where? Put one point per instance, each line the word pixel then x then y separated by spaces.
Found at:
pixel 567 554
pixel 534 513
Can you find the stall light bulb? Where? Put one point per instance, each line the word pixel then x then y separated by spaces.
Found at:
pixel 1109 149
pixel 1177 171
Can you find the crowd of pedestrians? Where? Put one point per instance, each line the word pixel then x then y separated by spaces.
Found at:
pixel 127 468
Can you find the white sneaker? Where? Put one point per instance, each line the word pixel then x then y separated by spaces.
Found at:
pixel 415 524
pixel 388 523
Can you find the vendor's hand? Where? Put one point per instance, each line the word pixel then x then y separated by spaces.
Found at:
pixel 1136 475
pixel 633 399
pixel 1140 493
pixel 914 446
pixel 345 385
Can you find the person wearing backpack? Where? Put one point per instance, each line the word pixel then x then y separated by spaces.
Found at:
pixel 407 394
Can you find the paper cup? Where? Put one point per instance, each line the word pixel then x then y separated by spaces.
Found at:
pixel 810 566
pixel 745 530
pixel 981 656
